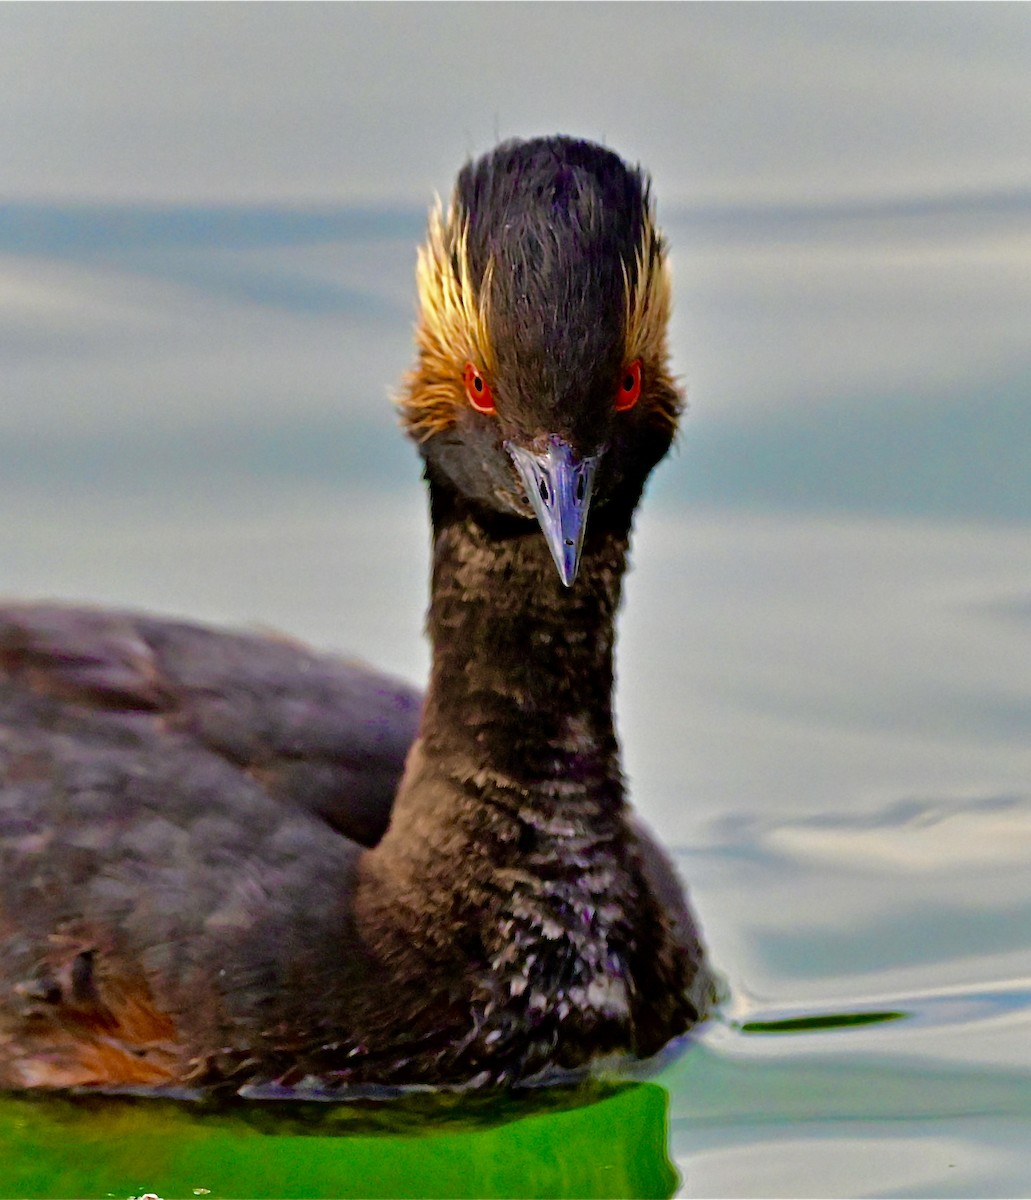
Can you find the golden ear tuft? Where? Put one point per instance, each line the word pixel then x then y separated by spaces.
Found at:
pixel 648 304
pixel 452 328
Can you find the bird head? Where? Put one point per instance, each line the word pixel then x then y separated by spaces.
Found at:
pixel 542 385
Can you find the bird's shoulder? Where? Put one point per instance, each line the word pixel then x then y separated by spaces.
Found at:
pixel 182 812
pixel 317 734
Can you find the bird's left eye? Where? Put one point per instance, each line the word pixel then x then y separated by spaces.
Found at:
pixel 478 390
pixel 629 390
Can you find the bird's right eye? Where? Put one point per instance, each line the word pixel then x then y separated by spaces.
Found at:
pixel 478 390
pixel 629 390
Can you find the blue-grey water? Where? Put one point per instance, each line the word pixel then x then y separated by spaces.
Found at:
pixel 826 645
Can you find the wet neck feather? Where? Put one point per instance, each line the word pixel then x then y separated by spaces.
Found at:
pixel 505 905
pixel 516 772
pixel 521 683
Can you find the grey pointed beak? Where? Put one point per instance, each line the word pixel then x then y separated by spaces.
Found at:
pixel 559 485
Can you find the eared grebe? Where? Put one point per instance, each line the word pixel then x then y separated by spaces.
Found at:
pixel 226 863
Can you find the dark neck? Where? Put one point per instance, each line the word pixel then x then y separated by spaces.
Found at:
pixel 513 925
pixel 521 683
pixel 517 764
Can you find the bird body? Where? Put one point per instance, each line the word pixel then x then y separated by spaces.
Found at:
pixel 226 863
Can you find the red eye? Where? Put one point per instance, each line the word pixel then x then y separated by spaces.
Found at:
pixel 478 390
pixel 629 390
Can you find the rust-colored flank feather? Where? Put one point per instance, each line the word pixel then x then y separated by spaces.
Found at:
pixel 83 1031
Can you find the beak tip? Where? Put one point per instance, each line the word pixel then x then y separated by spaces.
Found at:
pixel 558 483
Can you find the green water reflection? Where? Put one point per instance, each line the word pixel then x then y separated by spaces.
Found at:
pixel 820 1021
pixel 602 1142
